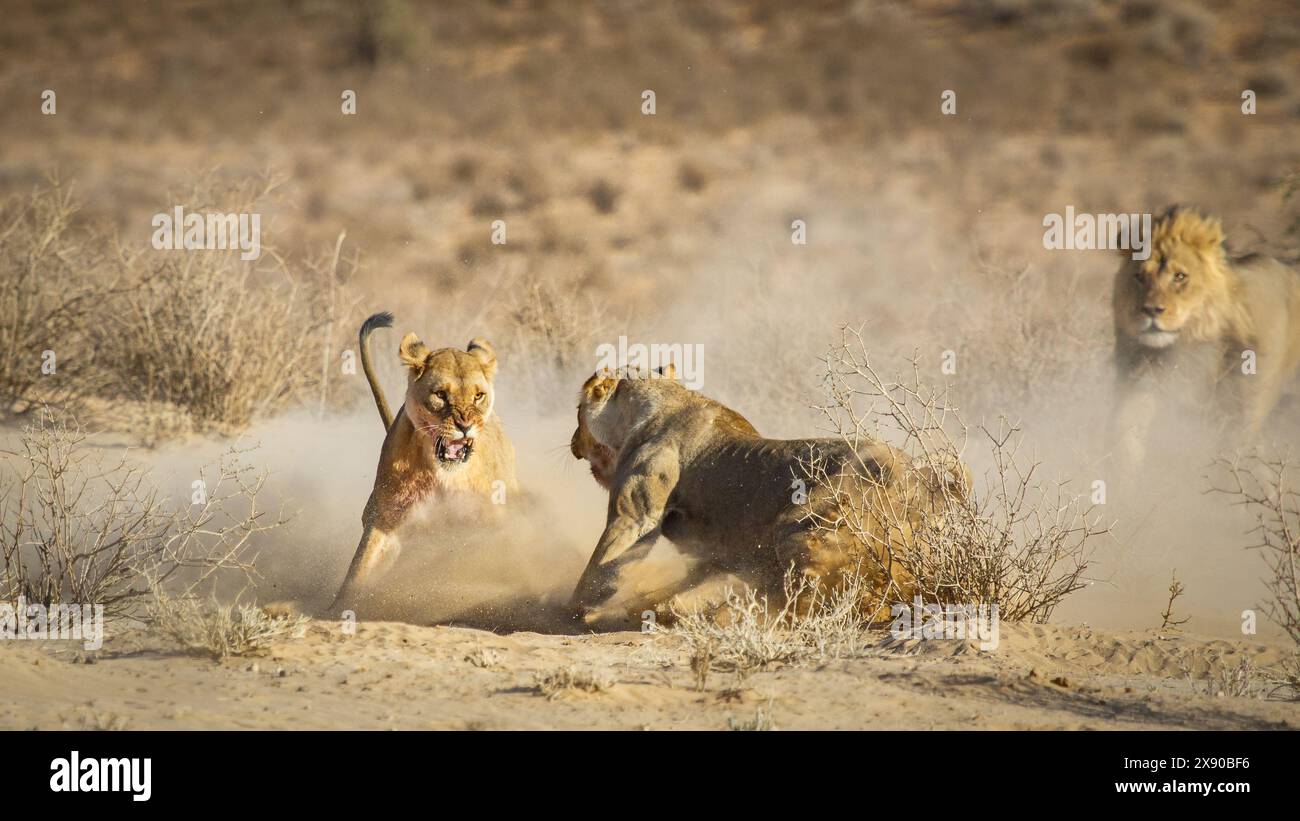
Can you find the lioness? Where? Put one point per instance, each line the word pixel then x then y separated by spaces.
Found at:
pixel 681 465
pixel 1192 308
pixel 445 441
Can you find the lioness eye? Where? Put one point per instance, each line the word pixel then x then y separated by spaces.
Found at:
pixel 442 396
pixel 478 397
pixel 1180 276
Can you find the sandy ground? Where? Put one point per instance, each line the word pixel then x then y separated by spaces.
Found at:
pixel 400 676
pixel 676 227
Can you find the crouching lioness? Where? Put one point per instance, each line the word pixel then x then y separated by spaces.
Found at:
pixel 446 441
pixel 683 466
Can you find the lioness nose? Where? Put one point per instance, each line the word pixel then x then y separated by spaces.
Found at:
pixel 1153 310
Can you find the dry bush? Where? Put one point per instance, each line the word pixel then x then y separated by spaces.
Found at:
pixel 1283 680
pixel 1238 680
pixel 745 632
pixel 210 628
pixel 1027 347
pixel 1268 486
pixel 1014 539
pixel 557 683
pixel 78 526
pixel 222 340
pixel 553 333
pixel 48 301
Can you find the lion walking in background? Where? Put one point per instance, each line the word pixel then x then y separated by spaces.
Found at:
pixel 1230 325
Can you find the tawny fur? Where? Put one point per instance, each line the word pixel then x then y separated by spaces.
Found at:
pixel 450 394
pixel 683 466
pixel 1190 296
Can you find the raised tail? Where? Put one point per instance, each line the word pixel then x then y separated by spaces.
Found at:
pixel 380 320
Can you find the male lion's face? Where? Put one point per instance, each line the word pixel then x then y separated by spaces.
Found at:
pixel 450 395
pixel 1159 297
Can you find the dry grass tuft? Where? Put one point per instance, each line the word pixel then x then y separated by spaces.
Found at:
pixel 761 721
pixel 483 657
pixel 90 717
pixel 221 630
pixel 745 632
pixel 571 679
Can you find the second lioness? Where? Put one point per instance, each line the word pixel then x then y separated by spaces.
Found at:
pixel 681 465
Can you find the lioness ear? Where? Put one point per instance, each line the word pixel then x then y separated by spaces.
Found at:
pixel 600 384
pixel 668 371
pixel 482 350
pixel 413 352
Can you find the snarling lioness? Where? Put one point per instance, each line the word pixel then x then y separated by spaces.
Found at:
pixel 1232 324
pixel 683 466
pixel 445 441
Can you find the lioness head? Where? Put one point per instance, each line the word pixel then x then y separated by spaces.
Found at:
pixel 602 420
pixel 592 402
pixel 450 395
pixel 1181 289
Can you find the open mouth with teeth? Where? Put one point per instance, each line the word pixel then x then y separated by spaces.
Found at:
pixel 454 451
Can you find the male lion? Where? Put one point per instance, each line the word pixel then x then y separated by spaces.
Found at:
pixel 445 442
pixel 1189 307
pixel 683 466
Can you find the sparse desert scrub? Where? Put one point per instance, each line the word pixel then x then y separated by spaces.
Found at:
pixel 744 632
pixel 571 679
pixel 554 331
pixel 90 717
pixel 79 525
pixel 1011 537
pixel 47 301
pixel 1026 347
pixel 1240 680
pixel 192 339
pixel 210 628
pixel 1267 484
pixel 222 340
pixel 1284 679
pixel 483 657
pixel 762 720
